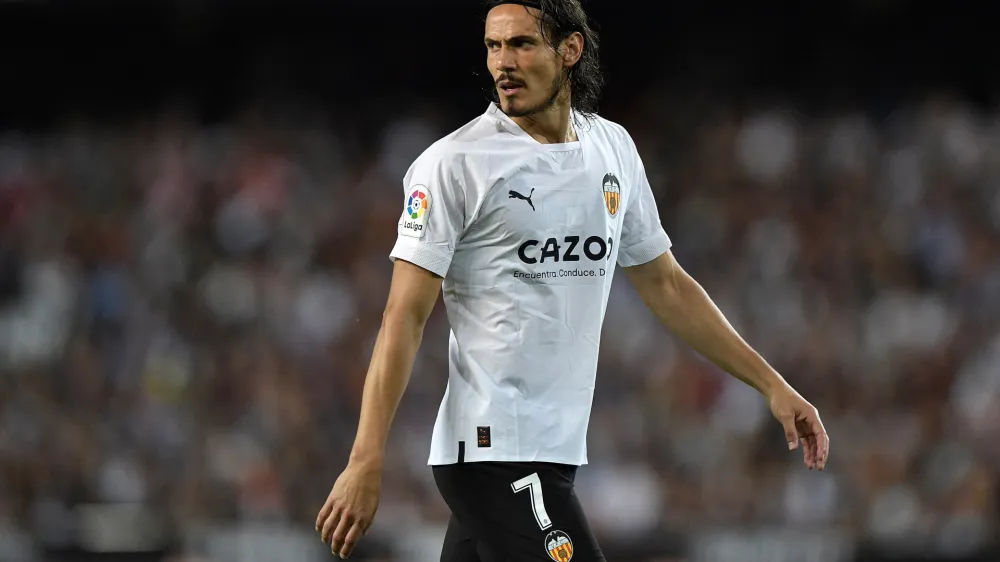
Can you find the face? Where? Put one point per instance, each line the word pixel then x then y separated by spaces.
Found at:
pixel 527 71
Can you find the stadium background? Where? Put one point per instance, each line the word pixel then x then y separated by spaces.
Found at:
pixel 197 202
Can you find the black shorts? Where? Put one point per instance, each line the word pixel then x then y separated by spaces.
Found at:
pixel 514 512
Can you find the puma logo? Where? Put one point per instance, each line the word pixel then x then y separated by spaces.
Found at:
pixel 516 195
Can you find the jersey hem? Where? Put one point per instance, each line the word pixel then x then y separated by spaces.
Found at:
pixel 555 459
pixel 431 259
pixel 645 251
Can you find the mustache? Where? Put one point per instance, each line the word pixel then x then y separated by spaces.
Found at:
pixel 510 79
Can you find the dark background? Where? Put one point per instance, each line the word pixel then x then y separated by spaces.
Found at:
pixel 112 58
pixel 147 414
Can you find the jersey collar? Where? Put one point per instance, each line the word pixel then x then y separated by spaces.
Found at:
pixel 493 112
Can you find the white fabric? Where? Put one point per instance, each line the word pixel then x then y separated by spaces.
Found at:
pixel 524 237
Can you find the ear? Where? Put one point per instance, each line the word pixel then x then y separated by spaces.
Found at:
pixel 572 49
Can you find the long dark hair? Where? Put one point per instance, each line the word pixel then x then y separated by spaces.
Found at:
pixel 559 19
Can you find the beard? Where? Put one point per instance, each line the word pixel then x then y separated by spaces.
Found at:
pixel 549 101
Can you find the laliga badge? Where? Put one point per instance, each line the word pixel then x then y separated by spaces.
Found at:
pixel 413 223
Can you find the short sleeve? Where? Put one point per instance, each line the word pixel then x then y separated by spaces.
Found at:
pixel 643 238
pixel 433 215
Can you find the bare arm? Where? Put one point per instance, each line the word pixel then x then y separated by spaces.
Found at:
pixel 684 307
pixel 412 295
pixel 350 508
pixel 429 230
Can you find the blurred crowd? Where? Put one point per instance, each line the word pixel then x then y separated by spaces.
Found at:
pixel 188 311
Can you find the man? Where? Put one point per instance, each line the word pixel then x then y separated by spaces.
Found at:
pixel 524 213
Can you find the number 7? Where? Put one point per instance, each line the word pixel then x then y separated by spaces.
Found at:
pixel 534 486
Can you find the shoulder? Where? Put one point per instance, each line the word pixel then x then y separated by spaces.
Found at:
pixel 469 159
pixel 609 131
pixel 617 140
pixel 454 152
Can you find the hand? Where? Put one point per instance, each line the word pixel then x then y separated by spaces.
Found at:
pixel 801 422
pixel 350 508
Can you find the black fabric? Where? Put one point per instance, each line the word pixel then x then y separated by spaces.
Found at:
pixel 492 523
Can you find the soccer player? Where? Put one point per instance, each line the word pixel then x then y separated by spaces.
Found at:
pixel 524 213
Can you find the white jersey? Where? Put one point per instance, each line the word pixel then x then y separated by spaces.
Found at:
pixel 526 236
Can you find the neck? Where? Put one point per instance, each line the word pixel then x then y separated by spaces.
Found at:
pixel 551 125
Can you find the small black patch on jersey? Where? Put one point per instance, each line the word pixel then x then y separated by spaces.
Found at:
pixel 483 436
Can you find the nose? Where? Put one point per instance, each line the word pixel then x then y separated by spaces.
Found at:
pixel 505 59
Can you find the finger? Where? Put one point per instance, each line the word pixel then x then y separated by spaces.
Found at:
pixel 817 440
pixel 808 439
pixel 791 434
pixel 337 540
pixel 822 444
pixel 352 538
pixel 809 447
pixel 330 524
pixel 324 512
